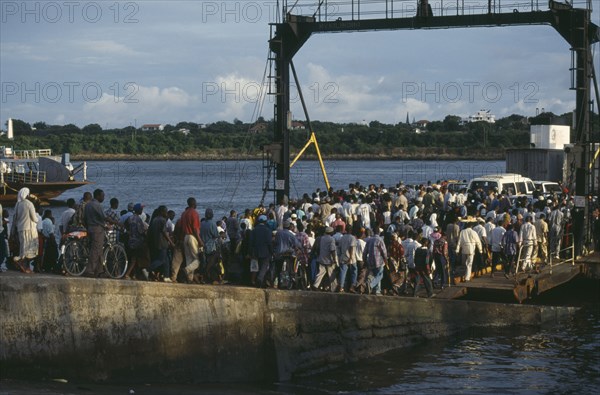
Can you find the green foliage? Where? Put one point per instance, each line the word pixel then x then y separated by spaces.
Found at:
pixel 225 137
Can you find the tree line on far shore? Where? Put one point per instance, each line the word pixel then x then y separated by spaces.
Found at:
pixel 225 139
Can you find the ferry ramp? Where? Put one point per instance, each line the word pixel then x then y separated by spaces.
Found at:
pixel 525 285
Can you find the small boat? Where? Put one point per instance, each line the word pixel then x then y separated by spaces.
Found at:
pixel 46 175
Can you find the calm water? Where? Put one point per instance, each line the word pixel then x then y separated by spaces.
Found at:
pixel 563 358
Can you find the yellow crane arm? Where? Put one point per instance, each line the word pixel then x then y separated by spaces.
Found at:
pixel 313 140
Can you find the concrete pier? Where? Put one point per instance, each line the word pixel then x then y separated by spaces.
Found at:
pixel 79 328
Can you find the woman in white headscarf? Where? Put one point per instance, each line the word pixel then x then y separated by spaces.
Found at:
pixel 25 223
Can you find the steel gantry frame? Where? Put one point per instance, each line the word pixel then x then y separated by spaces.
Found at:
pixel 573 24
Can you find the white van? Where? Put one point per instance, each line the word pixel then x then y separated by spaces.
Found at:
pixel 513 184
pixel 548 188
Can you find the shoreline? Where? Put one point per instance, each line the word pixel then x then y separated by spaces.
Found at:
pixel 413 156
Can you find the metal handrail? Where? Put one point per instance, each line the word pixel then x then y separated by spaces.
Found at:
pixel 31 154
pixel 29 176
pixel 550 261
pixel 354 10
pixel 571 259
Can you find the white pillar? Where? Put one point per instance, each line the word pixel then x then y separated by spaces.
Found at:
pixel 9 133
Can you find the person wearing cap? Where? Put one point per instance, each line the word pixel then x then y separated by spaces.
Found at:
pixel 468 243
pixel 261 248
pixel 327 259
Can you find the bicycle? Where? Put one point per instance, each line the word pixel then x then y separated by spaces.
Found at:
pixel 75 254
pixel 301 281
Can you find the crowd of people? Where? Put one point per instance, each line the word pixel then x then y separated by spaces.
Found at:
pixel 363 239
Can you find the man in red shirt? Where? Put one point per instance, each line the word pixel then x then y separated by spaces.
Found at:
pixel 192 243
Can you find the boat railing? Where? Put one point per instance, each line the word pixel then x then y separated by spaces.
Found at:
pixel 552 262
pixel 31 176
pixel 570 255
pixel 31 154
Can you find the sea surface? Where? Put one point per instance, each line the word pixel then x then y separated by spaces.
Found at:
pixel 562 358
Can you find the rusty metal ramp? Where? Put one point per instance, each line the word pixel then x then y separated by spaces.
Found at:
pixel 523 286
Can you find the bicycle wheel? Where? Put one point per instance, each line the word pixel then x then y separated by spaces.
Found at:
pixel 301 277
pixel 75 257
pixel 115 260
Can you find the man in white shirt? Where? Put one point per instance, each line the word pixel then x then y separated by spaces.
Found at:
pixel 468 243
pixel 65 218
pixel 528 238
pixel 364 210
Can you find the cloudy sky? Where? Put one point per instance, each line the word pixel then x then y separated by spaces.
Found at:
pixel 120 63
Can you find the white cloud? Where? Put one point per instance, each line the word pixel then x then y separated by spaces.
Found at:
pixel 21 52
pixel 105 47
pixel 139 104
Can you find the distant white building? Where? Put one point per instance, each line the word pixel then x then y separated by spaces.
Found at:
pixel 298 125
pixel 421 124
pixel 184 131
pixel 152 127
pixel 481 116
